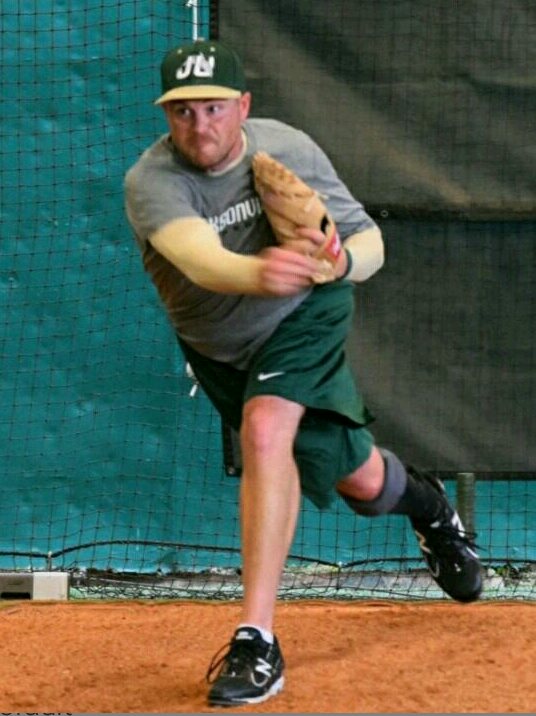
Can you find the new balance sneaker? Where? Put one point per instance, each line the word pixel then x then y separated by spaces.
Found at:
pixel 449 551
pixel 250 671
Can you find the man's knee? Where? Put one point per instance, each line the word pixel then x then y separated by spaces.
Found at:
pixel 366 482
pixel 268 420
pixel 392 487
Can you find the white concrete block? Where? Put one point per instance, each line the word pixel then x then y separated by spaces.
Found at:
pixel 51 585
pixel 34 585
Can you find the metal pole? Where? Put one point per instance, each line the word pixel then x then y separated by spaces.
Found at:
pixel 465 499
pixel 195 18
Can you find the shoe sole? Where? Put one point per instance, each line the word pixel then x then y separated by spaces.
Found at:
pixel 464 598
pixel 470 597
pixel 275 688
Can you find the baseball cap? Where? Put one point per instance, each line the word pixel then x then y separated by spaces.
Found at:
pixel 201 70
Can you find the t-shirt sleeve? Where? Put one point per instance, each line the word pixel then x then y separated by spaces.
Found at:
pixel 154 198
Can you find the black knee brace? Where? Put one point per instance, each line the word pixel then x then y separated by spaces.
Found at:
pixel 394 486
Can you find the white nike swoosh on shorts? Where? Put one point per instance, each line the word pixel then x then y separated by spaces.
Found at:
pixel 267 376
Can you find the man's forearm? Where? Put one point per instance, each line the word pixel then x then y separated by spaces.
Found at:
pixel 195 248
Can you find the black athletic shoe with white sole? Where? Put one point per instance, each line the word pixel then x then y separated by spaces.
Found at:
pixel 449 551
pixel 249 672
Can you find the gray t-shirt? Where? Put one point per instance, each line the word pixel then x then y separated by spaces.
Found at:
pixel 161 187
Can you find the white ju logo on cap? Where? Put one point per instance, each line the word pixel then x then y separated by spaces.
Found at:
pixel 196 65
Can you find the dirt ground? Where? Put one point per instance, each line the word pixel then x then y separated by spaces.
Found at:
pixel 351 657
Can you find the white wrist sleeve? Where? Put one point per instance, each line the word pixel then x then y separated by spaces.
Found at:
pixel 367 251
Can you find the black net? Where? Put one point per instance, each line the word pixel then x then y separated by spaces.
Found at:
pixel 114 467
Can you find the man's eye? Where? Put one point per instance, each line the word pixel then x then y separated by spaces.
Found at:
pixel 181 112
pixel 214 108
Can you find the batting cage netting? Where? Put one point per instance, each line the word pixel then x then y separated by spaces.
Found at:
pixel 115 468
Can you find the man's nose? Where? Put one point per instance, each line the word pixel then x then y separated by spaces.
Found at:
pixel 200 122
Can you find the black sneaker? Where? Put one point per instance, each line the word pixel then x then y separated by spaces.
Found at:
pixel 250 671
pixel 448 549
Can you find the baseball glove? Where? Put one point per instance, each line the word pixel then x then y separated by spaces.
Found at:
pixel 289 203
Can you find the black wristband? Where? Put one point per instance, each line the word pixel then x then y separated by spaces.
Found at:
pixel 349 265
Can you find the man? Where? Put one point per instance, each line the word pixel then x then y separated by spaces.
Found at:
pixel 267 343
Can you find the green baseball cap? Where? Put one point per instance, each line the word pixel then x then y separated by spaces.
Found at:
pixel 201 70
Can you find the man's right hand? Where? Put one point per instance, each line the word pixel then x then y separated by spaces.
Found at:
pixel 286 273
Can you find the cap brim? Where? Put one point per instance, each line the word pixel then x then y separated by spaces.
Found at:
pixel 199 92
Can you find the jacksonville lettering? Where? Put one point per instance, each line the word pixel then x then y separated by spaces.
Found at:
pixel 237 214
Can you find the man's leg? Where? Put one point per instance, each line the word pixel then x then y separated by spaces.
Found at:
pixel 270 500
pixel 382 485
pixel 252 670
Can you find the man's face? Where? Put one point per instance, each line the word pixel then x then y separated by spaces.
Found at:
pixel 208 132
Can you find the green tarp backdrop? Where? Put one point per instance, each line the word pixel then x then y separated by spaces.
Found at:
pixel 427 111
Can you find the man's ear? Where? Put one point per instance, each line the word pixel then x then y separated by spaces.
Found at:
pixel 245 105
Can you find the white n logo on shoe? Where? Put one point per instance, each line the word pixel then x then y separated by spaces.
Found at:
pixel 264 668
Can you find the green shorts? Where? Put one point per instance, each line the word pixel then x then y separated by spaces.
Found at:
pixel 303 361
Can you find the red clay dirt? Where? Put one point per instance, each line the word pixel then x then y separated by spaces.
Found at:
pixel 342 657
